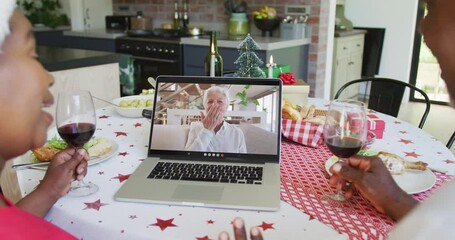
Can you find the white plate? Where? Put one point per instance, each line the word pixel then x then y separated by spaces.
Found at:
pixel 411 181
pixel 102 158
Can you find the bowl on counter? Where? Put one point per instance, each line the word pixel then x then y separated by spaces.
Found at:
pixel 267 25
pixel 132 106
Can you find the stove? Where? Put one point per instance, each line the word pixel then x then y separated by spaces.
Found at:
pixel 155 52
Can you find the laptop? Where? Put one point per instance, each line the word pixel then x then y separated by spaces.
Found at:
pixel 237 167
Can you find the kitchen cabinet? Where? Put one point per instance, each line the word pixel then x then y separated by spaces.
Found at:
pixel 285 52
pixel 347 62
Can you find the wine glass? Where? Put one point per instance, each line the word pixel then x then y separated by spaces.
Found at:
pixel 345 132
pixel 76 124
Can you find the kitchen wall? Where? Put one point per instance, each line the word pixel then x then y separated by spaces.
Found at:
pixel 211 15
pixel 398 17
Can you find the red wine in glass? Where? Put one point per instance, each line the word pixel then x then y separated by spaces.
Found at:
pixel 76 124
pixel 77 134
pixel 344 133
pixel 343 147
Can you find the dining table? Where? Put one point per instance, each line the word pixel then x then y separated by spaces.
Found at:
pixel 305 211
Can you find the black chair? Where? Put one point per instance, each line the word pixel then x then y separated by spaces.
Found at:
pixel 385 95
pixel 451 140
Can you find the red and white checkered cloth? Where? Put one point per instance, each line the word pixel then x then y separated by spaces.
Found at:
pixel 308 134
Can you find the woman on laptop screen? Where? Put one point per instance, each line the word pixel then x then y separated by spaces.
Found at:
pixel 212 133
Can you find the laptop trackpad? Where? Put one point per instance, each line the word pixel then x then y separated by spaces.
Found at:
pixel 208 193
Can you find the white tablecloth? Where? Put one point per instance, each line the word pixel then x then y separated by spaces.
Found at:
pixel 99 216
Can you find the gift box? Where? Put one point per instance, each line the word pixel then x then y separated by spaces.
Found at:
pixel 305 133
pixel 276 70
pixel 297 93
pixel 376 125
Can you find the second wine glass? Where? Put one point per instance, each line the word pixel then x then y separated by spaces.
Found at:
pixel 76 124
pixel 345 132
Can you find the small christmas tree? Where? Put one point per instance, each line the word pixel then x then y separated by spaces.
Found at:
pixel 248 62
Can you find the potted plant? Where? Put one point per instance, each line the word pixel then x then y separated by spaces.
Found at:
pixel 44 13
pixel 238 22
pixel 244 100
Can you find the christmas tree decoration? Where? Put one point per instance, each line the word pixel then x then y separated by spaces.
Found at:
pixel 248 62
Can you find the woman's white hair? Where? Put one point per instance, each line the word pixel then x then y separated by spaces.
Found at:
pixel 216 89
pixel 6 10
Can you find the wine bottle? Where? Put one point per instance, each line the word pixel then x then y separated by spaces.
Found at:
pixel 176 23
pixel 213 61
pixel 185 14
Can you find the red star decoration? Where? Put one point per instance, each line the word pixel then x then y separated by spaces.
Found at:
pixel 406 141
pixel 121 134
pixel 266 226
pixel 94 205
pixel 122 178
pixel 210 221
pixel 397 122
pixel 137 125
pixel 133 216
pixel 412 154
pixel 403 132
pixel 100 173
pixel 449 161
pixel 104 116
pixel 163 224
pixel 123 153
pixel 203 238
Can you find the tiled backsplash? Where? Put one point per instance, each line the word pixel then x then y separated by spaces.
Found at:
pixel 210 14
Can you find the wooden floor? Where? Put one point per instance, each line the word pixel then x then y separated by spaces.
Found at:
pixel 440 122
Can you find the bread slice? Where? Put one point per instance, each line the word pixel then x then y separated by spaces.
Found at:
pixel 99 149
pixel 397 165
pixel 45 153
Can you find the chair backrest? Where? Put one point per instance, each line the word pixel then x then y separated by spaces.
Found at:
pixel 386 95
pixel 451 140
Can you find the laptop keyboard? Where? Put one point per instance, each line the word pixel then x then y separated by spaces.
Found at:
pixel 207 173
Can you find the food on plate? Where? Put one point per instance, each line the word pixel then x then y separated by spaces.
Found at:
pixel 306 113
pixel 45 153
pixel 136 103
pixel 397 165
pixel 101 147
pixel 95 147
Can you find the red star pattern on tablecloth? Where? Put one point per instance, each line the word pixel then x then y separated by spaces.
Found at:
pixel 203 238
pixel 94 205
pixel 405 141
pixel 138 125
pixel 133 216
pixel 397 122
pixel 122 177
pixel 412 154
pixel 121 134
pixel 123 153
pixel 266 226
pixel 449 161
pixel 403 132
pixel 210 221
pixel 104 116
pixel 163 224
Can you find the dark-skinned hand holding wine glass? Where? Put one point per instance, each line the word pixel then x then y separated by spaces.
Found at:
pixel 345 132
pixel 76 124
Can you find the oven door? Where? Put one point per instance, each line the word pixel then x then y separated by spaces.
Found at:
pixel 146 67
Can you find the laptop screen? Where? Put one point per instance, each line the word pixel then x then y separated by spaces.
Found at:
pixel 206 118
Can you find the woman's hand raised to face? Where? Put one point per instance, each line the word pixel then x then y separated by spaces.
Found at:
pixel 213 118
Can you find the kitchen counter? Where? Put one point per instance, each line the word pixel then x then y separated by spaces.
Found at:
pixel 339 33
pixel 95 33
pixel 266 43
pixel 56 59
